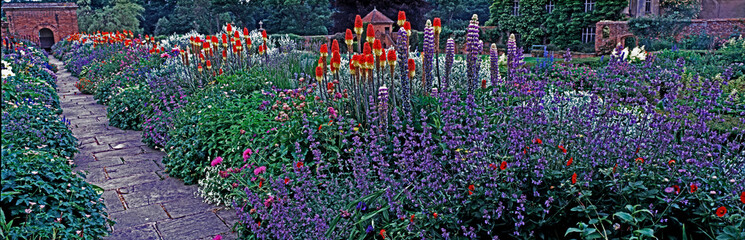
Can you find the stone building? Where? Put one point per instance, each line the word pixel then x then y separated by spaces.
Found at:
pixel 709 8
pixel 42 23
pixel 382 25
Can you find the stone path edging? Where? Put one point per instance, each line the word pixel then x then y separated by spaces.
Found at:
pixel 139 196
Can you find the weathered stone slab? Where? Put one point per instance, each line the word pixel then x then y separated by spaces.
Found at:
pixel 144 232
pixel 194 226
pixel 166 190
pixel 186 206
pixel 132 168
pixel 100 162
pixel 228 215
pixel 127 181
pixel 137 216
pixel 111 199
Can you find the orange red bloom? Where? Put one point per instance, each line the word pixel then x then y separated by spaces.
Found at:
pixel 571 160
pixel 574 178
pixel 401 18
pixel 564 150
pixel 721 211
pixel 437 24
pixel 370 33
pixel 693 188
pixel 742 197
pixel 639 160
pixel 412 68
pixel 358 25
pixel 382 233
pixel 503 165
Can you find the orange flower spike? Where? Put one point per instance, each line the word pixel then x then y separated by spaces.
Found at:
pixel 392 58
pixel 264 36
pixel 319 73
pixel 224 40
pixel 407 27
pixel 238 45
pixel 229 28
pixel 334 46
pixel 248 43
pixel 369 61
pixel 366 48
pixel 348 38
pixel 199 68
pixel 324 50
pixel 377 47
pixel 382 60
pixel 352 69
pixel 209 65
pixel 358 25
pixel 357 59
pixel 245 32
pixel 412 68
pixel 214 41
pixel 336 59
pixel 205 45
pixel 574 178
pixel 401 18
pixel 437 24
pixel 236 35
pixel 370 33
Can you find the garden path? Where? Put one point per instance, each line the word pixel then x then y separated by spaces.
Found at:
pixel 139 196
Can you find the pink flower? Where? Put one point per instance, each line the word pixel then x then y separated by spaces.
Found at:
pixel 268 201
pixel 259 170
pixel 28 210
pixel 332 112
pixel 218 237
pixel 247 154
pixel 216 162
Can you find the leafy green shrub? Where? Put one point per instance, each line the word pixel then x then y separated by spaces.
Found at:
pixel 126 108
pixel 44 199
pixel 38 128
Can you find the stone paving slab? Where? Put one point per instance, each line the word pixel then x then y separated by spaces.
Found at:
pixel 139 196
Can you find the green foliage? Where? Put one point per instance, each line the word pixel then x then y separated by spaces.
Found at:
pixel 562 27
pixel 456 14
pixel 126 108
pixel 122 15
pixel 307 17
pixel 657 26
pixel 44 199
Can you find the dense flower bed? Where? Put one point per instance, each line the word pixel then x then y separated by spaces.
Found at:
pixel 388 143
pixel 42 197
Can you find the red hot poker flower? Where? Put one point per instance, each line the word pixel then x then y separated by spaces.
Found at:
pixel 437 24
pixel 335 46
pixel 377 48
pixel 348 38
pixel 319 73
pixel 412 68
pixel 721 211
pixel 229 28
pixel 392 58
pixel 245 32
pixel 366 48
pixel 324 50
pixel 483 83
pixel 264 36
pixel 401 18
pixel 358 26
pixel 574 178
pixel 370 33
pixel 382 59
pixel 407 27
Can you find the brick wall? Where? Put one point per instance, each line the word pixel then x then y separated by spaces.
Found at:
pixel 610 33
pixel 27 19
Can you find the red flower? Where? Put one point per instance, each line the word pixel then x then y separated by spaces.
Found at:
pixel 377 47
pixel 299 164
pixel 693 188
pixel 348 37
pixel 370 33
pixel 401 18
pixel 570 161
pixel 358 25
pixel 639 160
pixel 637 150
pixel 538 141
pixel 335 46
pixel 574 178
pixel 412 68
pixel 382 233
pixel 493 166
pixel 264 36
pixel 503 166
pixel 614 168
pixel 564 150
pixel 411 219
pixel 287 180
pixel 392 57
pixel 471 187
pixel 677 189
pixel 319 73
pixel 435 215
pixel 470 193
pixel 245 32
pixel 742 197
pixel 324 50
pixel 407 27
pixel 671 162
pixel 721 211
pixel 229 28
pixel 437 24
pixel 483 83
pixel 261 183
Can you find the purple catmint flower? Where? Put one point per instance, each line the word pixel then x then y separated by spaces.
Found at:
pixel 494 64
pixel 403 59
pixel 449 56
pixel 472 49
pixel 568 56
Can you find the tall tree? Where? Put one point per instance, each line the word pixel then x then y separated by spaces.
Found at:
pixel 304 17
pixel 154 11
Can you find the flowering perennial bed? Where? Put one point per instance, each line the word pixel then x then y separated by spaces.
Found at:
pixel 42 197
pixel 390 144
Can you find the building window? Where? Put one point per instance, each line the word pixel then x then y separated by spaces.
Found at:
pixel 516 8
pixel 588 34
pixel 648 6
pixel 589 5
pixel 550 6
